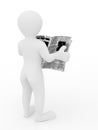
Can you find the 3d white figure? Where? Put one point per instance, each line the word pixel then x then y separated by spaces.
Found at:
pixel 32 50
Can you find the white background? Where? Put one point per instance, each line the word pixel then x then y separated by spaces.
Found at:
pixel 72 94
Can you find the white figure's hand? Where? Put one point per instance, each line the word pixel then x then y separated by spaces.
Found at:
pixel 60 55
pixel 64 56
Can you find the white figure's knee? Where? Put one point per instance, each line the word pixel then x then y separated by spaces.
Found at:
pixel 26 88
pixel 25 82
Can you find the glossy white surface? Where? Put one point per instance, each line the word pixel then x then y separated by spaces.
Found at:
pixel 32 50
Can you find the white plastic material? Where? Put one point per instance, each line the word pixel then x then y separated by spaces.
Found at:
pixel 32 50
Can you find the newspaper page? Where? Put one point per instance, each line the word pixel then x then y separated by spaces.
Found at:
pixel 54 44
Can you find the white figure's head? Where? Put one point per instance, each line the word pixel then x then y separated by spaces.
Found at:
pixel 30 23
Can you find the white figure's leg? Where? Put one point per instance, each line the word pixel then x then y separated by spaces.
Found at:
pixel 39 95
pixel 26 97
pixel 39 104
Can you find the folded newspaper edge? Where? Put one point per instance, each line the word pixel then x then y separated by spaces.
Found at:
pixel 54 44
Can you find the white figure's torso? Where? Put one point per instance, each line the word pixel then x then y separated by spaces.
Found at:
pixel 32 60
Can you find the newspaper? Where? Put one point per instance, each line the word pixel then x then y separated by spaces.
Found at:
pixel 54 44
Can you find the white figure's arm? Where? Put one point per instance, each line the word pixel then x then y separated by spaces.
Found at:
pixel 60 55
pixel 19 49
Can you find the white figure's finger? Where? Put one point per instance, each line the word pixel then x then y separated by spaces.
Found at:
pixel 63 48
pixel 67 56
pixel 70 41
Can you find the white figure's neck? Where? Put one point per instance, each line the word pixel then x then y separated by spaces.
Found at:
pixel 30 37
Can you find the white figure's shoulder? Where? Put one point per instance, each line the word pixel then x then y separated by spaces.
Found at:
pixel 41 45
pixel 32 44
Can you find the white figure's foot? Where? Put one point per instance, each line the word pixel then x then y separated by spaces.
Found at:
pixel 46 116
pixel 28 114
